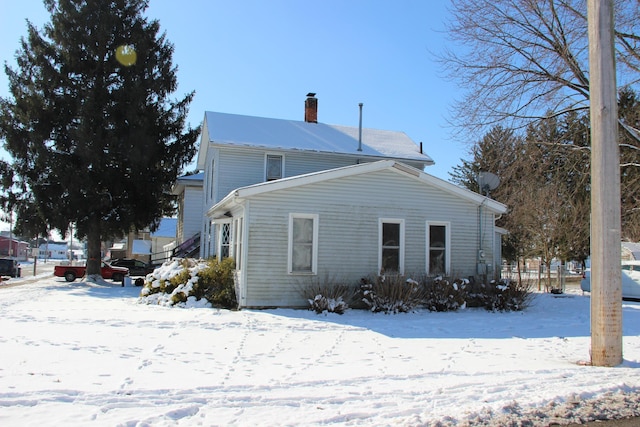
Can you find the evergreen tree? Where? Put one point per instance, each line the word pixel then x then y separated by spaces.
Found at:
pixel 95 138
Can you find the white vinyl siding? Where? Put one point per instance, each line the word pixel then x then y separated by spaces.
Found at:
pixel 192 216
pixel 350 209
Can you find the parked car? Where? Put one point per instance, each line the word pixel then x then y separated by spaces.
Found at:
pixel 630 280
pixel 135 266
pixel 71 272
pixel 9 267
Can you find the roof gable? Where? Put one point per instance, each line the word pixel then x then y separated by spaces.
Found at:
pixel 278 134
pixel 392 165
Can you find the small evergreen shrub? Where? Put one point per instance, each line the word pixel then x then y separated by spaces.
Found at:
pixel 196 282
pixel 390 293
pixel 327 296
pixel 216 283
pixel 442 294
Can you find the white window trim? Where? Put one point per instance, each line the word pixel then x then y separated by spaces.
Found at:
pixel 266 156
pixel 447 245
pixel 402 241
pixel 314 246
pixel 237 242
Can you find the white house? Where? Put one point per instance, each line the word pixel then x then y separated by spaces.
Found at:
pixel 350 222
pixel 352 190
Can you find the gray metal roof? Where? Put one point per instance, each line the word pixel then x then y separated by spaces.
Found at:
pixel 249 131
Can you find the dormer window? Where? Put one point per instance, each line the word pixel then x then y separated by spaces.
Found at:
pixel 274 167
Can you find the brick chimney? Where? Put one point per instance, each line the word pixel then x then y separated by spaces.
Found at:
pixel 311 108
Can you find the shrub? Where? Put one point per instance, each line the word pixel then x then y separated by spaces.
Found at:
pixel 507 295
pixel 444 294
pixel 188 280
pixel 216 283
pixel 390 293
pixel 326 296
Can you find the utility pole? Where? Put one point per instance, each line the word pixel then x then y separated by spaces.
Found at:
pixel 606 275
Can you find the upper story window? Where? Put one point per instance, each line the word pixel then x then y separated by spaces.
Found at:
pixel 211 179
pixel 274 167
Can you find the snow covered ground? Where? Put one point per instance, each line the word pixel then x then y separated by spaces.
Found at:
pixel 79 354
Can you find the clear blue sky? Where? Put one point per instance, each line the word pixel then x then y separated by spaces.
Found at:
pixel 261 58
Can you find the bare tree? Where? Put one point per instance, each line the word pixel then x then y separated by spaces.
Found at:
pixel 518 59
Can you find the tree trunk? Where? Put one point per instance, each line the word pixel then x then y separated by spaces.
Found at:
pixel 94 254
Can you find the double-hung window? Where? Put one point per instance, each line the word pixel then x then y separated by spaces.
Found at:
pixel 438 248
pixel 391 249
pixel 303 243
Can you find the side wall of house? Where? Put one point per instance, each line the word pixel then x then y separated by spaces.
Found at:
pixel 192 221
pixel 348 212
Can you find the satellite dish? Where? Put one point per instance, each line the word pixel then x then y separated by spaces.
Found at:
pixel 487 182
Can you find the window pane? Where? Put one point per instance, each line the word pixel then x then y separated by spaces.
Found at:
pixel 302 230
pixel 436 236
pixel 390 234
pixel 391 259
pixel 301 257
pixel 274 167
pixel 436 261
pixel 302 252
pixel 225 240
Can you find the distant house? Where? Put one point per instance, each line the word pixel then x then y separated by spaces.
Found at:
pixel 291 200
pixel 163 240
pixel 14 248
pixel 630 251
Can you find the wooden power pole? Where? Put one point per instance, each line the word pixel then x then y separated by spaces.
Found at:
pixel 606 275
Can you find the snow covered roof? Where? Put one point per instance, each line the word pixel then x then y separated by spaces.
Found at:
pixel 279 134
pixel 195 180
pixel 633 248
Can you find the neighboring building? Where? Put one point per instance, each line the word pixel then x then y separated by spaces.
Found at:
pixel 145 245
pixel 163 239
pixel 14 248
pixel 54 250
pixel 630 251
pixel 290 200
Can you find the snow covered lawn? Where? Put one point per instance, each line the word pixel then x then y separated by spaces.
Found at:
pixel 77 354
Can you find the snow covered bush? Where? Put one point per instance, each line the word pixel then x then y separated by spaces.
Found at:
pixel 442 294
pixel 507 295
pixel 390 293
pixel 216 283
pixel 327 296
pixel 189 282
